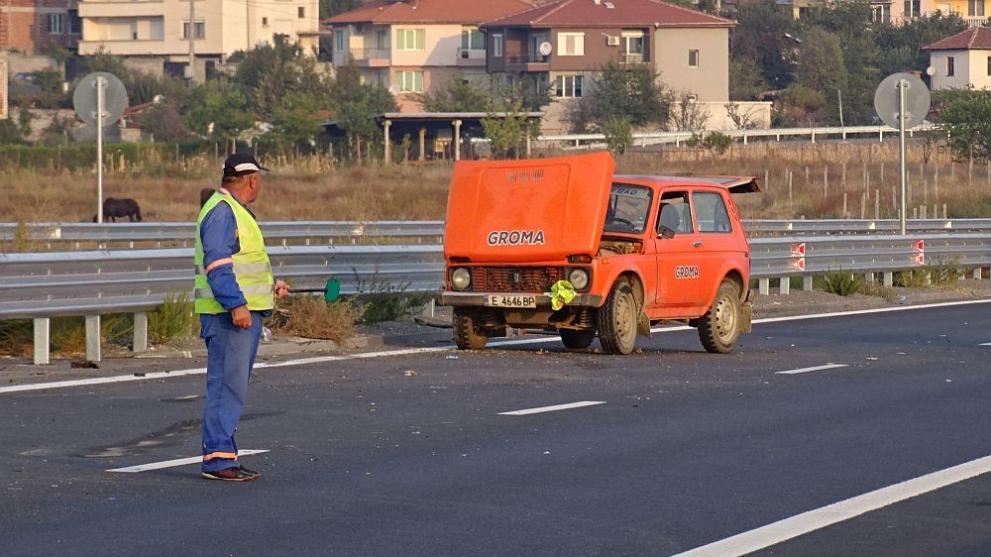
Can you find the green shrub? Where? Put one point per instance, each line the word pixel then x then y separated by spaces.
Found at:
pixel 389 306
pixel 173 320
pixel 841 283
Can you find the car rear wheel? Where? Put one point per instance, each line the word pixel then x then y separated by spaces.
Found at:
pixel 577 340
pixel 618 320
pixel 466 334
pixel 719 328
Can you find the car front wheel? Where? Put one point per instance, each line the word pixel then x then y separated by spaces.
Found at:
pixel 618 320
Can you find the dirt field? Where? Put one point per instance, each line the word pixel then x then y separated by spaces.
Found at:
pixel 824 180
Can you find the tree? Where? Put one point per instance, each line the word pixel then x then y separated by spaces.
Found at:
pixel 164 122
pixel 745 80
pixel 507 132
pixel 967 117
pixel 219 110
pixel 619 134
pixel 330 8
pixel 356 105
pixel 688 114
pixel 269 73
pixel 457 95
pixel 634 92
pixel 821 68
pixel 765 34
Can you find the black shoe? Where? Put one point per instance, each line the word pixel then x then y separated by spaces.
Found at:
pixel 238 474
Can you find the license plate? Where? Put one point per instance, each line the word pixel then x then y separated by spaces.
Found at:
pixel 512 301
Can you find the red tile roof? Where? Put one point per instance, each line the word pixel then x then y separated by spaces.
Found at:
pixel 430 11
pixel 978 38
pixel 611 13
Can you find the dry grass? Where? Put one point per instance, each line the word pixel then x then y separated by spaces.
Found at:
pixel 312 317
pixel 315 189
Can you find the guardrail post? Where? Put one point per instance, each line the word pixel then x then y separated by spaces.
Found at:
pixel 42 346
pixel 807 283
pixel 889 279
pixel 978 273
pixel 140 332
pixel 764 287
pixel 93 338
pixel 868 278
pixel 784 286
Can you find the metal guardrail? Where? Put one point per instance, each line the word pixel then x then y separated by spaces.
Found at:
pixel 655 138
pixel 42 285
pixel 129 235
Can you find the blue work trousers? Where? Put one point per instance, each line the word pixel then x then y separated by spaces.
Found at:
pixel 230 356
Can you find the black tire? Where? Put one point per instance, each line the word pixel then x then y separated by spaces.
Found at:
pixel 618 320
pixel 466 335
pixel 719 328
pixel 577 340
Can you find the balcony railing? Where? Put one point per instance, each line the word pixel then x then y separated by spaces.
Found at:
pixel 471 56
pixel 528 58
pixel 631 58
pixel 367 54
pixel 975 20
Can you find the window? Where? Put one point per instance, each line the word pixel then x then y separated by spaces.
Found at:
pixel 880 13
pixel 950 66
pixel 339 43
pixel 382 39
pixel 301 12
pixel 675 213
pixel 570 86
pixel 497 45
pixel 56 24
pixel 710 211
pixel 571 44
pixel 75 23
pixel 633 42
pixel 693 58
pixel 975 8
pixel 410 82
pixel 199 30
pixel 264 22
pixel 913 8
pixel 989 65
pixel 410 39
pixel 628 209
pixel 472 39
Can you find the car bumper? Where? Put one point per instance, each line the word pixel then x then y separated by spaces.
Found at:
pixel 480 299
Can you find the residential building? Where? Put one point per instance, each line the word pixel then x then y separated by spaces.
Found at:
pixel 562 46
pixel 154 35
pixel 34 26
pixel 974 12
pixel 962 61
pixel 414 46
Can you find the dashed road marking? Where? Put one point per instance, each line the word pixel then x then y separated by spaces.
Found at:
pixel 554 408
pixel 411 351
pixel 810 369
pixel 178 462
pixel 798 525
pixel 986 344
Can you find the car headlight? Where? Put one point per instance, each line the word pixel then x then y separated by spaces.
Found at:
pixel 578 278
pixel 460 279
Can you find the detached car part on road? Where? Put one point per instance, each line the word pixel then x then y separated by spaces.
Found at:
pixel 563 245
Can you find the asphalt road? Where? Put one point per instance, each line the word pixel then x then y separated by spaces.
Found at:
pixel 408 454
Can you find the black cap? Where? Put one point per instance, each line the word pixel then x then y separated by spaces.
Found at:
pixel 241 164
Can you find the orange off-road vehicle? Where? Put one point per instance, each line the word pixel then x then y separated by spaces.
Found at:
pixel 562 244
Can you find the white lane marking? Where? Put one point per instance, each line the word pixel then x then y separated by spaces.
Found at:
pixel 810 369
pixel 411 351
pixel 986 344
pixel 554 408
pixel 178 462
pixel 783 530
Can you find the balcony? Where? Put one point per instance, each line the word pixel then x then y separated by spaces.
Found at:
pixel 528 62
pixel 975 20
pixel 371 57
pixel 631 58
pixel 471 57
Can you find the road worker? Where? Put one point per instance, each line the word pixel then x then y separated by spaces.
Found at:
pixel 235 289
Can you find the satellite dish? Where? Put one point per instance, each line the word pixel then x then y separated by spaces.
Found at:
pixel 918 100
pixel 84 99
pixel 930 71
pixel 545 48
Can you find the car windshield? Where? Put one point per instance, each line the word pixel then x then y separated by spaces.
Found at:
pixel 628 209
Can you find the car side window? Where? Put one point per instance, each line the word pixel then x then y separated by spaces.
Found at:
pixel 710 210
pixel 675 213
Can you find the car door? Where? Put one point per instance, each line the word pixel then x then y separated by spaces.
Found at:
pixel 716 236
pixel 677 255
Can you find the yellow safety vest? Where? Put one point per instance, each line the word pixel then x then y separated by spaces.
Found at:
pixel 252 268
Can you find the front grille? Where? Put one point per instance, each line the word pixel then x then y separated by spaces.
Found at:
pixel 515 279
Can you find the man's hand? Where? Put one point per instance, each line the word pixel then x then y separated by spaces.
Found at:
pixel 281 290
pixel 241 317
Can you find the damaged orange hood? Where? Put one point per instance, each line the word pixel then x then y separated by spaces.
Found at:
pixel 534 210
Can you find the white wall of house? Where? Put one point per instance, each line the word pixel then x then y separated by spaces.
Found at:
pixel 709 78
pixel 962 71
pixel 979 64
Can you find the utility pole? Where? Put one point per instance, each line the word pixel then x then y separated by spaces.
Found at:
pixel 191 35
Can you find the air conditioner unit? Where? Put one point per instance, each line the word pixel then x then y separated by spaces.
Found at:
pixel 612 40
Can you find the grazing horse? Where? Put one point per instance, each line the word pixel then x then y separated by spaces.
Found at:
pixel 114 209
pixel 205 195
